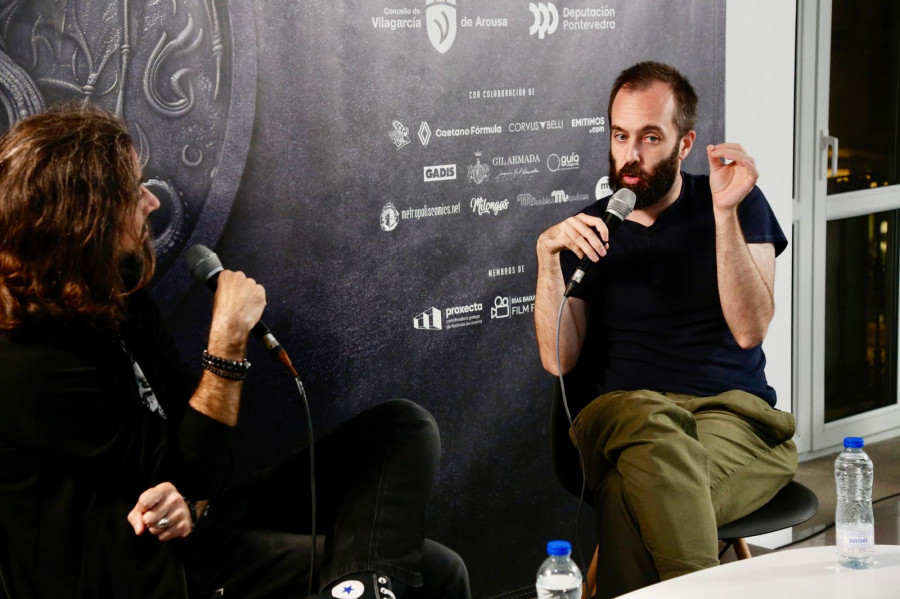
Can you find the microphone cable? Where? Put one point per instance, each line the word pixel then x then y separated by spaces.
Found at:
pixel 205 267
pixel 312 476
pixel 562 388
pixel 283 359
pixel 618 208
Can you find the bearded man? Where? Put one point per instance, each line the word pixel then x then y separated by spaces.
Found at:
pixel 682 435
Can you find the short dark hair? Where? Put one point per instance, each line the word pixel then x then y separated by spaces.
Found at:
pixel 68 186
pixel 644 74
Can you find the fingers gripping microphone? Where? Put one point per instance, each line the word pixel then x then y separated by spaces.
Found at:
pixel 618 209
pixel 205 267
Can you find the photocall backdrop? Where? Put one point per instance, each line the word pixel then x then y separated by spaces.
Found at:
pixel 384 168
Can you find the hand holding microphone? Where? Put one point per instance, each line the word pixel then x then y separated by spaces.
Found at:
pixel 617 210
pixel 238 305
pixel 206 268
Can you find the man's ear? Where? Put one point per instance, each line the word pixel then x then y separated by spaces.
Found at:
pixel 687 142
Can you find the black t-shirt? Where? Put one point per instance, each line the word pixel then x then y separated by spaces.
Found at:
pixel 656 321
pixel 78 446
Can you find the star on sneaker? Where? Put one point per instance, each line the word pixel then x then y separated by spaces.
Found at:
pixel 348 589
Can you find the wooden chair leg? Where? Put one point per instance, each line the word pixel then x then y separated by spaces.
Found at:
pixel 590 584
pixel 741 549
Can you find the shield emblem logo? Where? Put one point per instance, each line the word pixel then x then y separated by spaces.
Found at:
pixel 478 173
pixel 440 17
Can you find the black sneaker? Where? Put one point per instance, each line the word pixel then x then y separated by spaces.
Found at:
pixel 383 589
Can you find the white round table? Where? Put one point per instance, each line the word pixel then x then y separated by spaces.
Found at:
pixel 790 574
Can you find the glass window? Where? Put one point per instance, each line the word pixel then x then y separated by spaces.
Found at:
pixel 861 314
pixel 864 98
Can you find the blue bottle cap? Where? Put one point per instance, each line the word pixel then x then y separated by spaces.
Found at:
pixel 854 442
pixel 559 548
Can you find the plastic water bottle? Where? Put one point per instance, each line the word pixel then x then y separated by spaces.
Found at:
pixel 559 576
pixel 853 518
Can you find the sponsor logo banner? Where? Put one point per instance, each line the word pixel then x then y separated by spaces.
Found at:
pixel 390 216
pixel 589 19
pixel 558 196
pixel 482 206
pixel 471 314
pixel 429 320
pixel 546 19
pixel 535 126
pixel 516 173
pixel 424 133
pixel 510 307
pixel 427 211
pixel 516 160
pixel 567 162
pixel 400 134
pixel 603 188
pixel 468 131
pixel 439 172
pixel 594 124
pixel 398 18
pixel 479 172
pixel 484 22
pixel 453 317
pixel 440 16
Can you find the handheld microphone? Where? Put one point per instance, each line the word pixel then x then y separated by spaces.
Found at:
pixel 618 209
pixel 205 267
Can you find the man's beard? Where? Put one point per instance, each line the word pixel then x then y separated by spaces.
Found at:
pixel 651 189
pixel 137 266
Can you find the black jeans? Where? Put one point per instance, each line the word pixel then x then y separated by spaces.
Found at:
pixel 374 474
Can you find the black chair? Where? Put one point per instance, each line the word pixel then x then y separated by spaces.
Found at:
pixel 792 505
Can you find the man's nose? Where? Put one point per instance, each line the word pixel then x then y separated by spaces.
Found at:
pixel 632 152
pixel 151 201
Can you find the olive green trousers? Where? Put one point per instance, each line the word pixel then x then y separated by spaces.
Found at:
pixel 666 469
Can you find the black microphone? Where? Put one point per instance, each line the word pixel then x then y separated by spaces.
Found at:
pixel 618 209
pixel 205 267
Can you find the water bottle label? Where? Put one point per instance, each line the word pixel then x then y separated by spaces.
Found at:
pixel 559 593
pixel 559 586
pixel 855 541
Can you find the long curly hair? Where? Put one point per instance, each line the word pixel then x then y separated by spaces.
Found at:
pixel 69 184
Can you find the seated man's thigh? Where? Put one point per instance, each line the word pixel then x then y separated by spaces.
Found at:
pixel 750 453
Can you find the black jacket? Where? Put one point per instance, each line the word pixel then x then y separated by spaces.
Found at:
pixel 77 448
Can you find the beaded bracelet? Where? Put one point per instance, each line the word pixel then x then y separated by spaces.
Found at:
pixel 230 369
pixel 192 509
pixel 232 376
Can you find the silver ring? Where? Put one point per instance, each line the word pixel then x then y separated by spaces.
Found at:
pixel 162 522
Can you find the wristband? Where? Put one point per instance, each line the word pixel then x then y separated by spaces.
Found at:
pixel 235 370
pixel 192 508
pixel 231 376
